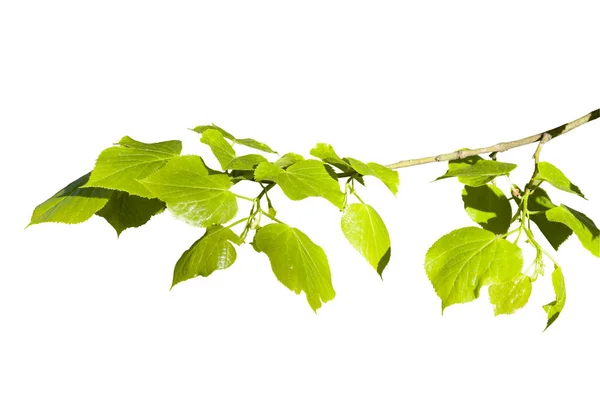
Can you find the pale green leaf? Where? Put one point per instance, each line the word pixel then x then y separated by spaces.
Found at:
pixel 551 174
pixel 555 232
pixel 554 308
pixel 252 143
pixel 245 162
pixel 129 211
pixel 297 262
pixel 326 153
pixel 213 251
pixel 466 259
pixel 202 129
pixel 121 166
pixel 303 179
pixel 288 159
pixel 475 171
pixel 193 195
pixel 584 228
pixel 72 204
pixel 367 233
pixel 388 176
pixel 510 296
pixel 488 206
pixel 222 150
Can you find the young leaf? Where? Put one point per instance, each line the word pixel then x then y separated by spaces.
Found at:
pixel 367 233
pixel 249 142
pixel 222 150
pixel 202 129
pixel 549 173
pixel 129 211
pixel 488 206
pixel 192 194
pixel 584 228
pixel 297 262
pixel 288 159
pixel 213 251
pixel 475 171
pixel 245 162
pixel 120 167
pixel 459 263
pixel 388 176
pixel 554 308
pixel 510 296
pixel 72 204
pixel 555 232
pixel 326 153
pixel 303 179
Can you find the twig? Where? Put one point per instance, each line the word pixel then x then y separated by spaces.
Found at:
pixel 503 146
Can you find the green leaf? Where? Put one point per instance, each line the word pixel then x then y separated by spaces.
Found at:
pixel 554 308
pixel 555 232
pixel 245 162
pixel 192 194
pixel 222 150
pixel 475 171
pixel 129 211
pixel 510 296
pixel 297 262
pixel 288 159
pixel 459 263
pixel 249 142
pixel 202 129
pixel 367 233
pixel 303 179
pixel 388 176
pixel 72 204
pixel 488 206
pixel 326 153
pixel 120 167
pixel 213 251
pixel 549 173
pixel 584 228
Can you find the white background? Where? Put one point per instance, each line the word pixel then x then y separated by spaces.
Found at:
pixel 83 314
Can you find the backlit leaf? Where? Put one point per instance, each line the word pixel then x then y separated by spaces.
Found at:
pixel 121 166
pixel 367 233
pixel 202 129
pixel 192 194
pixel 288 159
pixel 555 232
pixel 302 179
pixel 249 142
pixel 213 251
pixel 129 211
pixel 326 153
pixel 584 228
pixel 222 150
pixel 297 262
pixel 245 162
pixel 488 206
pixel 549 173
pixel 466 259
pixel 72 204
pixel 554 308
pixel 475 171
pixel 510 296
pixel 388 176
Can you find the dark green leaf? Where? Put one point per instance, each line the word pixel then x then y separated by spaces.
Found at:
pixel 245 162
pixel 297 262
pixel 459 263
pixel 213 251
pixel 222 150
pixel 288 159
pixel 367 233
pixel 549 173
pixel 488 206
pixel 584 228
pixel 120 167
pixel 72 204
pixel 475 171
pixel 555 232
pixel 326 153
pixel 302 179
pixel 554 308
pixel 510 296
pixel 192 194
pixel 129 211
pixel 388 176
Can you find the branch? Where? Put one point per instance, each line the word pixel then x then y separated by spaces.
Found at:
pixel 502 146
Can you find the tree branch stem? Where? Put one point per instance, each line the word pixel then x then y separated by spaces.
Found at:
pixel 502 146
